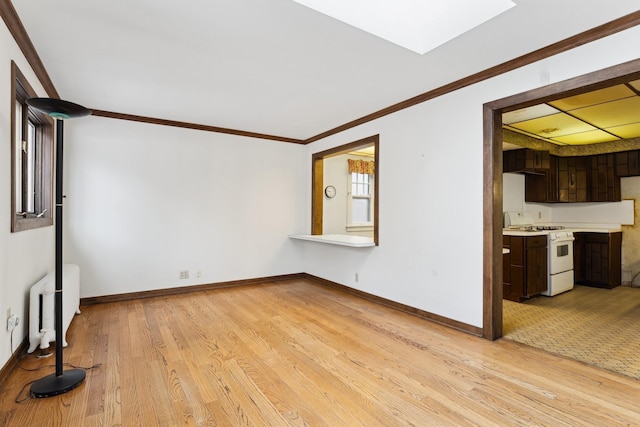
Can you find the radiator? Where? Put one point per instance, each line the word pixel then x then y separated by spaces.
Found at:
pixel 42 307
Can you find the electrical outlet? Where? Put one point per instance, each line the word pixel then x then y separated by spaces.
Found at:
pixel 198 273
pixel 12 322
pixel 357 277
pixel 184 274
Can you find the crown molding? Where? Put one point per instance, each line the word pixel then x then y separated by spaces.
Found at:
pixel 195 126
pixel 19 33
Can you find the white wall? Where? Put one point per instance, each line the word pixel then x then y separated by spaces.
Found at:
pixel 146 201
pixel 513 192
pixel 430 253
pixel 27 256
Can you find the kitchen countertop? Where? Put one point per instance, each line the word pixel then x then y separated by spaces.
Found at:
pixel 595 230
pixel 507 232
pixel 337 239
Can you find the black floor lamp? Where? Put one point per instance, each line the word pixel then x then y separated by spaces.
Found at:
pixel 62 381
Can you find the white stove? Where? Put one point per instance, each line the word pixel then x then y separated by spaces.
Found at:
pixel 559 262
pixel 560 276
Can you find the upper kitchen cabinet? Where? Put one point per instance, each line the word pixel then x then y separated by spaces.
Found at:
pixel 605 185
pixel 554 179
pixel 526 160
pixel 543 187
pixel 572 179
pixel 628 163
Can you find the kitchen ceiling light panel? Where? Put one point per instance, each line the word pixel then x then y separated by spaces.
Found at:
pixel 609 114
pixel 583 138
pixel 626 131
pixel 528 113
pixel 593 98
pixel 417 25
pixel 554 126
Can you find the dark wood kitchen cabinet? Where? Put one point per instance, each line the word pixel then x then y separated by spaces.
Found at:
pixel 524 269
pixel 605 184
pixel 553 179
pixel 628 163
pixel 526 160
pixel 543 186
pixel 573 179
pixel 597 259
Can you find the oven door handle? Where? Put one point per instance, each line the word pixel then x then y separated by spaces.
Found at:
pixel 564 239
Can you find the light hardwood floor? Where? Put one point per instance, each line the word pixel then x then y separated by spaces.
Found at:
pixel 296 353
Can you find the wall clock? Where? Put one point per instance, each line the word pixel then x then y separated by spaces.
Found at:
pixel 330 191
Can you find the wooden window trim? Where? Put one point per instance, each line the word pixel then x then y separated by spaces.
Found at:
pixel 21 90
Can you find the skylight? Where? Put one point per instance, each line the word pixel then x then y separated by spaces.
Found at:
pixel 418 25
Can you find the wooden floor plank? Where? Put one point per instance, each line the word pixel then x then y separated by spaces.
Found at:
pixel 298 354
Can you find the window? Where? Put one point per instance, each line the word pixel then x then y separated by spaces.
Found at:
pixel 358 200
pixel 360 208
pixel 31 160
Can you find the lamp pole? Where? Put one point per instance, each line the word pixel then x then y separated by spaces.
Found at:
pixel 61 381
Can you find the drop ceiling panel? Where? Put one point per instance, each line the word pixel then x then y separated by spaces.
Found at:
pixel 626 131
pixel 603 115
pixel 615 113
pixel 583 138
pixel 593 98
pixel 528 113
pixel 554 126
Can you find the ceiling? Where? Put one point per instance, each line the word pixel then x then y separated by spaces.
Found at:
pixel 604 115
pixel 268 66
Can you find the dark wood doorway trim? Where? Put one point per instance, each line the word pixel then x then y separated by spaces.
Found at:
pixel 492 209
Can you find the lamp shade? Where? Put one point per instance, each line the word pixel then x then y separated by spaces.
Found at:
pixel 58 108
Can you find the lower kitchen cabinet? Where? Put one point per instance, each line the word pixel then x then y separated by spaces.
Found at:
pixel 524 269
pixel 598 259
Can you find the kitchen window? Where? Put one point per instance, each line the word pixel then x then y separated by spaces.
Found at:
pixel 360 206
pixel 31 159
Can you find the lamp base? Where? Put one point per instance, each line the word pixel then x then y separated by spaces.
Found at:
pixel 53 385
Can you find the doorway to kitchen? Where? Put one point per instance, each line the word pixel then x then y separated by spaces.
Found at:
pixel 493 323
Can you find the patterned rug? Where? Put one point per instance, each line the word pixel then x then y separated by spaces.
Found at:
pixel 597 326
